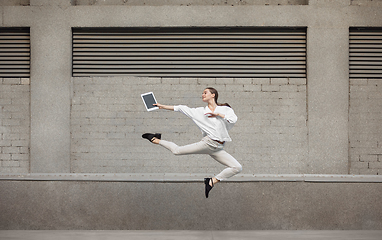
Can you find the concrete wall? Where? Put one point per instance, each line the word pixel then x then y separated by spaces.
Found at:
pixel 327 71
pixel 151 206
pixel 84 125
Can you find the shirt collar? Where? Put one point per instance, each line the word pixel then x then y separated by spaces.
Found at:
pixel 208 110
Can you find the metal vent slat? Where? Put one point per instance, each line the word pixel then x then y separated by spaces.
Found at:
pixel 265 58
pixel 190 66
pixel 190 62
pixel 14 52
pixel 189 45
pixel 365 54
pixel 190 52
pixel 85 51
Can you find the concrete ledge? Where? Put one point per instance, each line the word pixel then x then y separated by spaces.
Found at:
pixel 269 204
pixel 184 177
pixel 186 234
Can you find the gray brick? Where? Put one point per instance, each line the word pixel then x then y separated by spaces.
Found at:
pixel 115 135
pixel 297 95
pixel 362 88
pixel 375 95
pixel 261 81
pixel 279 81
pixel 252 88
pixel 359 165
pixel 24 166
pixel 19 143
pixel 153 81
pixel 11 81
pixel 270 88
pixel 354 171
pixel 367 144
pixel 183 87
pixel 5 143
pixel 5 101
pixel 297 81
pixel 221 81
pixel 278 95
pixel 111 101
pixel 23 158
pixel 288 88
pixel 20 88
pixel 107 80
pixel 368 158
pixel 15 108
pixel 235 88
pixel 207 81
pixel 375 165
pixel 368 171
pixel 108 115
pixel 171 81
pixel 11 122
pixel 86 100
pixel 10 150
pixel 374 82
pixel 24 150
pixel 243 81
pixel 25 81
pixel 5 156
pixel 301 88
pixel 6 89
pixel 21 101
pixel 358 81
pixel 10 163
pixel 270 102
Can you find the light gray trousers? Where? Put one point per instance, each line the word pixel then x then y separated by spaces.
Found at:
pixel 212 148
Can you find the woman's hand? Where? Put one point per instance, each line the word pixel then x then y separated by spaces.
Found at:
pixel 161 106
pixel 211 115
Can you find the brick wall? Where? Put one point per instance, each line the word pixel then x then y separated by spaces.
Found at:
pixel 14 125
pixel 108 118
pixel 365 133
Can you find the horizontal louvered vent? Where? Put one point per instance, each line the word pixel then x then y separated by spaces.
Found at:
pixel 190 52
pixel 365 53
pixel 14 52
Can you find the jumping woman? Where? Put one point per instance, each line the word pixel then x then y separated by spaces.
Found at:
pixel 214 120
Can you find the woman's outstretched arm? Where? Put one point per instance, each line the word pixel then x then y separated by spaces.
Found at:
pixel 167 107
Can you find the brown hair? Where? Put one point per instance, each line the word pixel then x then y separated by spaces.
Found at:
pixel 214 91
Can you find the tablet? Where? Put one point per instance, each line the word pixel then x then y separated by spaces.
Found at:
pixel 149 100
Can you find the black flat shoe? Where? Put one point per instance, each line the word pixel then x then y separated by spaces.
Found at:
pixel 151 136
pixel 208 186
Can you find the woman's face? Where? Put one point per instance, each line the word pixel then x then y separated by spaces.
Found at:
pixel 207 95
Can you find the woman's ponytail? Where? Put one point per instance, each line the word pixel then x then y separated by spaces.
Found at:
pixel 214 91
pixel 223 104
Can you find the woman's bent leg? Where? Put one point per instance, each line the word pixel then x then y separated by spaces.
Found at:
pixel 195 148
pixel 234 167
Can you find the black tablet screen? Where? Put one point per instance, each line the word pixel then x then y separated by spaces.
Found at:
pixel 149 100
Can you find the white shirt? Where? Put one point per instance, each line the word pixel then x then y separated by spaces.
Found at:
pixel 215 127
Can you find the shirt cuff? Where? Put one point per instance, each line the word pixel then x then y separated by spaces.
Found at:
pixel 228 120
pixel 176 108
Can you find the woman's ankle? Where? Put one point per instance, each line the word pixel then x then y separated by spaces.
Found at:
pixel 215 180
